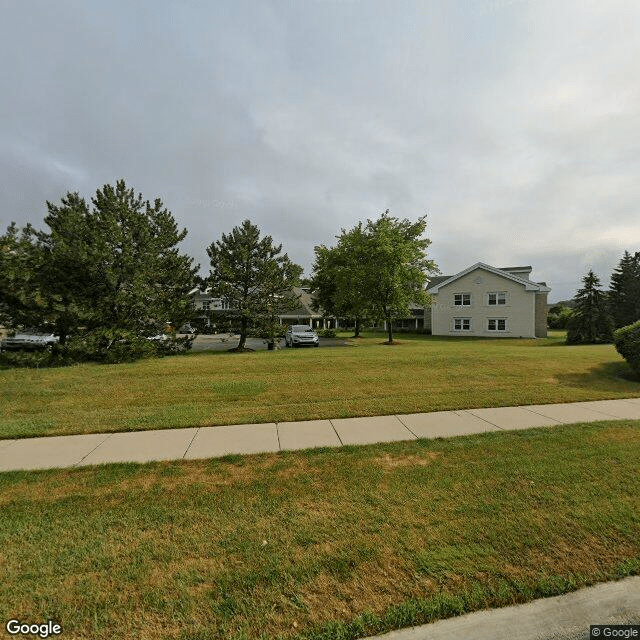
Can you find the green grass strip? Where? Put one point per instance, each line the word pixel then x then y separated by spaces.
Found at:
pixel 322 543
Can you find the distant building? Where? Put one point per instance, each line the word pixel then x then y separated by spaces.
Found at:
pixel 203 301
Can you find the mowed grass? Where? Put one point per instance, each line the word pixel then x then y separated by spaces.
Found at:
pixel 368 378
pixel 323 544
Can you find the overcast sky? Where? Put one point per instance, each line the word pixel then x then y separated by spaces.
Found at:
pixel 514 125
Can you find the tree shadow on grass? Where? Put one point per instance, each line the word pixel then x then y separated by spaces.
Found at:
pixel 609 376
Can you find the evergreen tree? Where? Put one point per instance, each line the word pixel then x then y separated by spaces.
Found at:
pixel 252 277
pixel 115 266
pixel 145 281
pixel 624 291
pixel 590 322
pixel 20 263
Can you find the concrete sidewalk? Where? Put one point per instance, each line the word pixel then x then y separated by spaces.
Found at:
pixel 212 442
pixel 566 617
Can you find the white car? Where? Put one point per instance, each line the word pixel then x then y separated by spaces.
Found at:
pixel 301 335
pixel 30 339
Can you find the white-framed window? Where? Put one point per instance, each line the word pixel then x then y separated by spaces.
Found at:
pixel 462 299
pixel 497 298
pixel 206 305
pixel 462 324
pixel 497 324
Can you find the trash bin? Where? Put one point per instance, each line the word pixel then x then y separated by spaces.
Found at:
pixel 271 346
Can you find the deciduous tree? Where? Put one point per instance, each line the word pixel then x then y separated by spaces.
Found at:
pixel 397 266
pixel 337 281
pixel 376 270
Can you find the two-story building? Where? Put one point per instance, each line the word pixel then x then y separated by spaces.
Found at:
pixel 488 301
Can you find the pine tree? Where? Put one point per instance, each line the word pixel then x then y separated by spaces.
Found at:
pixel 252 277
pixel 590 322
pixel 112 266
pixel 20 263
pixel 624 291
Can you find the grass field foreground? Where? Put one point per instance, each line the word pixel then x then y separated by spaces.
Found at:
pixel 323 544
pixel 423 373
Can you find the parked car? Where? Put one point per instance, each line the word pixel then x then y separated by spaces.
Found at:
pixel 30 339
pixel 301 335
pixel 160 337
pixel 187 329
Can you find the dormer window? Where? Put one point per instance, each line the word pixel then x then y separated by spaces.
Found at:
pixel 497 297
pixel 462 299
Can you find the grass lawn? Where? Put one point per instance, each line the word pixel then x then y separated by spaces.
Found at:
pixel 323 544
pixel 422 373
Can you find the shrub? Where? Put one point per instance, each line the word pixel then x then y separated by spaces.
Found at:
pixel 27 359
pixel 559 316
pixel 627 341
pixel 174 346
pixel 327 333
pixel 111 346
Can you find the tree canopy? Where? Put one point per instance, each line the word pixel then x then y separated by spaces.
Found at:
pixel 338 278
pixel 249 273
pixel 376 270
pixel 624 290
pixel 590 322
pixel 113 265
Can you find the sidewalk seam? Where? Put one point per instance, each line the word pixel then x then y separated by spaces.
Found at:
pixel 278 436
pixel 77 464
pixel 608 414
pixel 191 442
pixel 407 428
pixel 537 413
pixel 481 418
pixel 336 432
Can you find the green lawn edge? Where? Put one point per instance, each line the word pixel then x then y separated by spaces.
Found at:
pixel 421 374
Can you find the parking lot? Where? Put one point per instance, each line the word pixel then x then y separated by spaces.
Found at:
pixel 226 341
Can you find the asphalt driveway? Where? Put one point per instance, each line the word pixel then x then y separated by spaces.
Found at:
pixel 226 341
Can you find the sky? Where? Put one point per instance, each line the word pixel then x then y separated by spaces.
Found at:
pixel 513 125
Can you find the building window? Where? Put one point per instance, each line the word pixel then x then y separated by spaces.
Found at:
pixel 497 297
pixel 497 324
pixel 206 305
pixel 462 324
pixel 462 299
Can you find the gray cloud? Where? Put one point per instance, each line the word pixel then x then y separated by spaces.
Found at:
pixel 513 124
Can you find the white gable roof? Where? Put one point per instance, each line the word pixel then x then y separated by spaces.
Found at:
pixel 527 284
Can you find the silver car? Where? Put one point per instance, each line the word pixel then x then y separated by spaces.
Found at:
pixel 301 335
pixel 30 339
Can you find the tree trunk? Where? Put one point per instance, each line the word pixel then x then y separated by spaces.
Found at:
pixel 390 330
pixel 243 334
pixel 357 331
